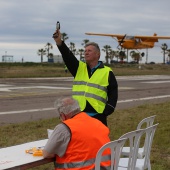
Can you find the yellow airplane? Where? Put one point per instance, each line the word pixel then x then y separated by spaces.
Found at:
pixel 134 42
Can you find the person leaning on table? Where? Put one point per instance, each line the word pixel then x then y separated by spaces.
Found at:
pixel 76 140
pixel 95 86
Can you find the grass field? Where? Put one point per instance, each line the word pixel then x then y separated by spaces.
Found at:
pixel 25 70
pixel 120 122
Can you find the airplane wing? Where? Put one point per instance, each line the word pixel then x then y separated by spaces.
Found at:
pixel 151 37
pixel 120 36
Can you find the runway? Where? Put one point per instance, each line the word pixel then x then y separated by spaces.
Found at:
pixel 28 99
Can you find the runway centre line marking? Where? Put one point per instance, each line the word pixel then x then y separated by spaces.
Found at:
pixel 145 98
pixel 25 111
pixel 5 85
pixel 157 82
pixel 121 101
pixel 144 77
pixel 8 89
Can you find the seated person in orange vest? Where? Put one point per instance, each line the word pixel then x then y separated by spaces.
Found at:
pixel 76 140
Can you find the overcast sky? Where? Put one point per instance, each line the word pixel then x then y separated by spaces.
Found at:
pixel 26 26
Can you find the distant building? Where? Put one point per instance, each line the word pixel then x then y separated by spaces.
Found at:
pixel 7 58
pixel 57 59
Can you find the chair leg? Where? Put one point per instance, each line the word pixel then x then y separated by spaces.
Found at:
pixel 149 166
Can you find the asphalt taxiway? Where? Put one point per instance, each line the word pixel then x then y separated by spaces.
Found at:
pixel 27 99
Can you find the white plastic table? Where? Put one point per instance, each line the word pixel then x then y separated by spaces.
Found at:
pixel 15 158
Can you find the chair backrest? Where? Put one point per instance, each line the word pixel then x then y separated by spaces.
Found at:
pixel 134 141
pixel 148 121
pixel 150 132
pixel 115 152
pixel 145 123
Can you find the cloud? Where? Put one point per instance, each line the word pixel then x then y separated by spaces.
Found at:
pixel 29 25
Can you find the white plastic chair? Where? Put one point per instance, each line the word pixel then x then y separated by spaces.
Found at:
pixel 142 124
pixel 134 141
pixel 115 152
pixel 144 163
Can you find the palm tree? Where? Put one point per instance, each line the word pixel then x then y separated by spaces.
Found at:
pixel 41 52
pixel 106 49
pixel 51 55
pixel 81 53
pixel 48 46
pixel 122 56
pixel 135 56
pixel 112 54
pixel 164 48
pixel 85 41
pixel 117 55
pixel 168 52
pixel 72 48
pixel 64 36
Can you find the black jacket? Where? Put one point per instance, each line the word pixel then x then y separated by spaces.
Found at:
pixel 112 89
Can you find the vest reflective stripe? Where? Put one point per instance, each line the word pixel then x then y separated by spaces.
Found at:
pixel 90 85
pixel 93 89
pixel 81 164
pixel 90 95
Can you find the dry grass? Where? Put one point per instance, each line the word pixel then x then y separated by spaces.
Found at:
pixel 146 69
pixel 120 122
pixel 26 70
pixel 32 71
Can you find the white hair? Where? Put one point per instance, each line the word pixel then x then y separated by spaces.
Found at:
pixel 67 106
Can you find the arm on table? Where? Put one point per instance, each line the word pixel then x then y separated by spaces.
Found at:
pixel 48 155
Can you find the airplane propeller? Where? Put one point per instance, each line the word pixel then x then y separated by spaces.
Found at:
pixel 121 53
pixel 121 42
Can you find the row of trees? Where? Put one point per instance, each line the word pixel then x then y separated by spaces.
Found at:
pixel 165 50
pixel 109 53
pixel 45 51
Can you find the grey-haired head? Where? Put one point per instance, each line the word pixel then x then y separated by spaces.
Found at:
pixel 67 106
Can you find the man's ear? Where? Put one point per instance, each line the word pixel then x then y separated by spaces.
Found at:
pixel 98 54
pixel 63 116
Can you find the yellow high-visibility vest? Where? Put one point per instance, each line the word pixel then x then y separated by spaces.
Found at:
pixel 93 89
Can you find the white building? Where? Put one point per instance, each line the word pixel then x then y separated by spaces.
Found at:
pixel 7 58
pixel 58 59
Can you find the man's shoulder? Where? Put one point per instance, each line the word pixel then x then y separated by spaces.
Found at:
pixel 104 66
pixel 61 127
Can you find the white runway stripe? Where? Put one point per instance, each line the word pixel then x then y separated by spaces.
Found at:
pixel 156 82
pixel 121 101
pixel 26 111
pixel 8 89
pixel 145 98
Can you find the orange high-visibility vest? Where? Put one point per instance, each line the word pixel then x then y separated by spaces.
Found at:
pixel 87 136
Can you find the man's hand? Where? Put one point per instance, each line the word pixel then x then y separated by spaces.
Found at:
pixel 57 37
